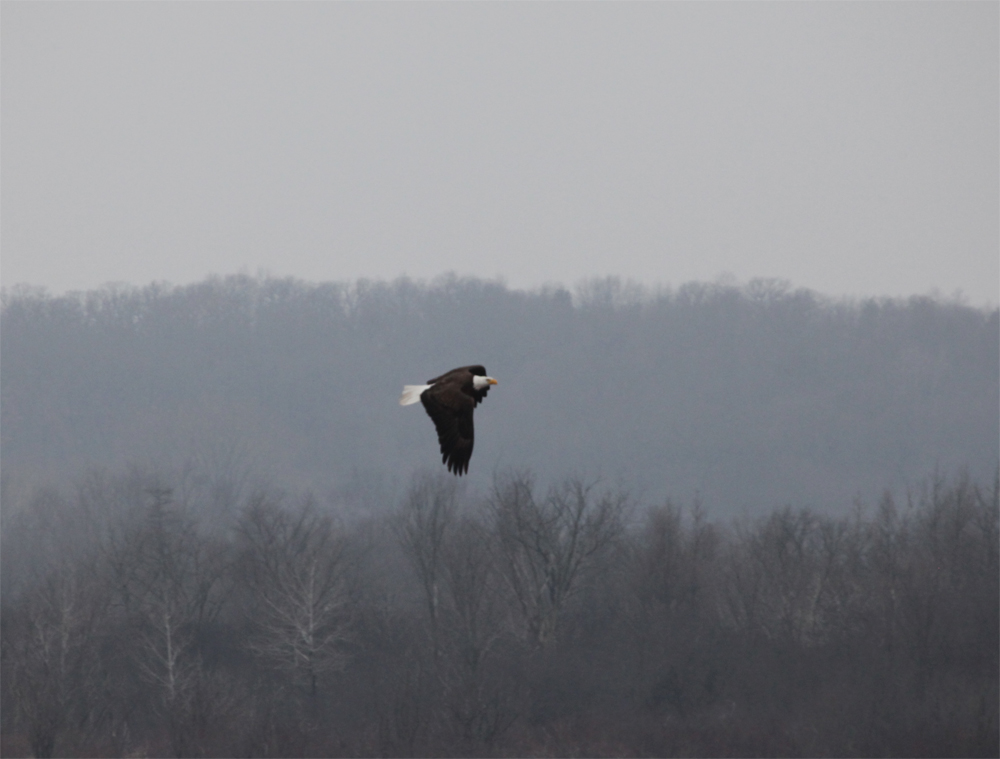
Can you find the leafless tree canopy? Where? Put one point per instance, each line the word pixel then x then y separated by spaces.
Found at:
pixel 546 544
pixel 297 601
pixel 560 620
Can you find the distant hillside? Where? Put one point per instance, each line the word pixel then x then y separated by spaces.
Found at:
pixel 749 396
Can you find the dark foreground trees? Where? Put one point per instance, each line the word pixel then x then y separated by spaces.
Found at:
pixel 533 621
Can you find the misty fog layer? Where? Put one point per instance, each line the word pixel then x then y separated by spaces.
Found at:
pixel 748 396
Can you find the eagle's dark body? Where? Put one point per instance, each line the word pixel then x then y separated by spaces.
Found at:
pixel 450 401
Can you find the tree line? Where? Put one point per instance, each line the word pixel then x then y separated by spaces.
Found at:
pixel 747 395
pixel 143 616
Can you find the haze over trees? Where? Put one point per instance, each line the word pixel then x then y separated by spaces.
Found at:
pixel 747 396
pixel 716 521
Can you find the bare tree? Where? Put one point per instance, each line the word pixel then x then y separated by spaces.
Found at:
pixel 292 564
pixel 779 576
pixel 424 519
pixel 545 545
pixel 470 579
pixel 669 610
pixel 167 580
pixel 672 564
pixel 47 653
pixel 478 698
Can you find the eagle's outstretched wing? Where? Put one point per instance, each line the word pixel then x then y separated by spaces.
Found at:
pixel 451 410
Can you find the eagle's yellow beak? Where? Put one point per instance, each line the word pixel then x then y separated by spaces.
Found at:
pixel 493 381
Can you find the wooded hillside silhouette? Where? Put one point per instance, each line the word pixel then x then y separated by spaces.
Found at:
pixel 747 396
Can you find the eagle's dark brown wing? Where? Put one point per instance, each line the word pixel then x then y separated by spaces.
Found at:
pixel 451 408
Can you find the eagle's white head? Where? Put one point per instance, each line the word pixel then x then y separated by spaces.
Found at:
pixel 480 382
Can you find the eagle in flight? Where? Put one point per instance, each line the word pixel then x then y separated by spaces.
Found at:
pixel 449 401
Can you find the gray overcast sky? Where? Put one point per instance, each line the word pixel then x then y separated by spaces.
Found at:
pixel 848 147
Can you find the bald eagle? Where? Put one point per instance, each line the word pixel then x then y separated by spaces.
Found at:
pixel 449 401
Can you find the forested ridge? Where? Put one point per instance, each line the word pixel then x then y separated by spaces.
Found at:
pixel 746 396
pixel 711 521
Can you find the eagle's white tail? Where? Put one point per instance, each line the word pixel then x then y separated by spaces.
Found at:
pixel 411 394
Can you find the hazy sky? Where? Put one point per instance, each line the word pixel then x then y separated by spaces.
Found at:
pixel 847 147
